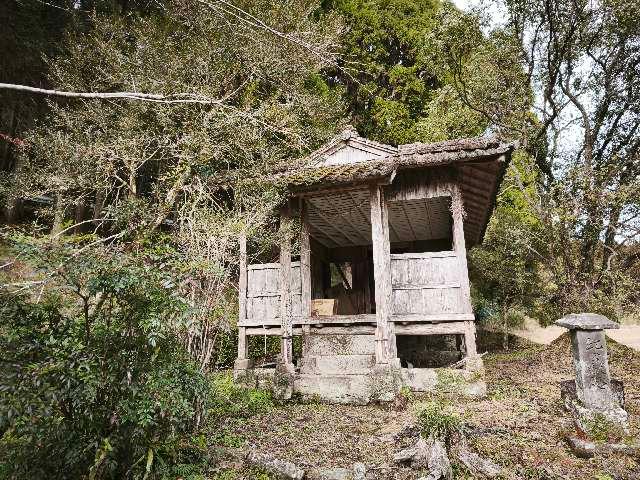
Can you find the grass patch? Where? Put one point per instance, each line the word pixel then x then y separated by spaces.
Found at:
pixel 233 400
pixel 601 429
pixel 437 420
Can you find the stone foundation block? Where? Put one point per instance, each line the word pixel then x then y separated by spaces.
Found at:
pixel 339 345
pixel 241 365
pixel 262 378
pixel 446 381
pixel 613 417
pixel 420 379
pixel 343 364
pixel 347 389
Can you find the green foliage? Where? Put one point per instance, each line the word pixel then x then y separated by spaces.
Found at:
pixel 601 429
pixel 95 381
pixel 396 90
pixel 436 420
pixel 229 399
pixel 507 270
pixel 226 475
pixel 603 476
pixel 406 393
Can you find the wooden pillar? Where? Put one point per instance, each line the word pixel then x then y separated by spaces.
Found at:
pixel 470 339
pixel 385 338
pixel 242 361
pixel 305 269
pixel 459 246
pixel 286 345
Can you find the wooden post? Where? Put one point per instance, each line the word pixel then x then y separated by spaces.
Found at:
pixel 286 346
pixel 385 338
pixel 470 338
pixel 459 246
pixel 305 269
pixel 242 361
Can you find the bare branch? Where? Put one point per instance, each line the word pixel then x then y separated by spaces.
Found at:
pixel 145 97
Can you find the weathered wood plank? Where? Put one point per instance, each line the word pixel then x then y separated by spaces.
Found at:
pixel 457 210
pixel 352 330
pixel 273 331
pixel 324 320
pixel 242 299
pixel 263 266
pixel 423 286
pixel 402 256
pixel 305 263
pixel 363 318
pixel 438 317
pixel 269 266
pixel 450 328
pixel 263 294
pixel 296 305
pixel 426 283
pixel 285 290
pixel 385 339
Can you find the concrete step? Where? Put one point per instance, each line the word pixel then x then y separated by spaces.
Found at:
pixel 338 364
pixel 339 345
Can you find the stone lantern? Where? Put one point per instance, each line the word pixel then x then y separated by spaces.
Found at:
pixel 593 394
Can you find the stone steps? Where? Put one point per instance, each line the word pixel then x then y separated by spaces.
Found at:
pixel 338 364
pixel 344 364
pixel 339 345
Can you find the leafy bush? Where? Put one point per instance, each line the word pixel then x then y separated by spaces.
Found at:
pixel 437 421
pixel 94 382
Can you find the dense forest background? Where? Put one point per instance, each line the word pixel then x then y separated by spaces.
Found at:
pixel 119 253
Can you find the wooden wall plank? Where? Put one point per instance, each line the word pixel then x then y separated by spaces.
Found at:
pixel 426 284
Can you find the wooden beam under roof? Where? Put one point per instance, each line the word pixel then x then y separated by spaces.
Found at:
pixel 319 234
pixel 406 215
pixel 480 172
pixel 355 229
pixel 338 232
pixel 367 220
pixel 488 188
pixel 481 193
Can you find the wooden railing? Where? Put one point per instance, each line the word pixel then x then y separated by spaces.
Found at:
pixel 426 287
pixel 427 283
pixel 263 293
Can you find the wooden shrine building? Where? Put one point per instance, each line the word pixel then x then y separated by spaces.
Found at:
pixel 381 281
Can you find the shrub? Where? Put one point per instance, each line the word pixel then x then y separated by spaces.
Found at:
pixel 94 382
pixel 437 421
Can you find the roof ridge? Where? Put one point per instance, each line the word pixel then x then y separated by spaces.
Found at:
pixel 469 143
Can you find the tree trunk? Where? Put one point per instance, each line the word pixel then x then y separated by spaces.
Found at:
pixel 505 329
pixel 610 236
pixel 58 214
pixel 80 216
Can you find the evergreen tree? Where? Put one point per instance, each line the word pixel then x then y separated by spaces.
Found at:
pixel 395 88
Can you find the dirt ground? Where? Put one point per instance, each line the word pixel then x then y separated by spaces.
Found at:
pixel 519 425
pixel 628 334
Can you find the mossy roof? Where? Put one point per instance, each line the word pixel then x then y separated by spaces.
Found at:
pixel 313 173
